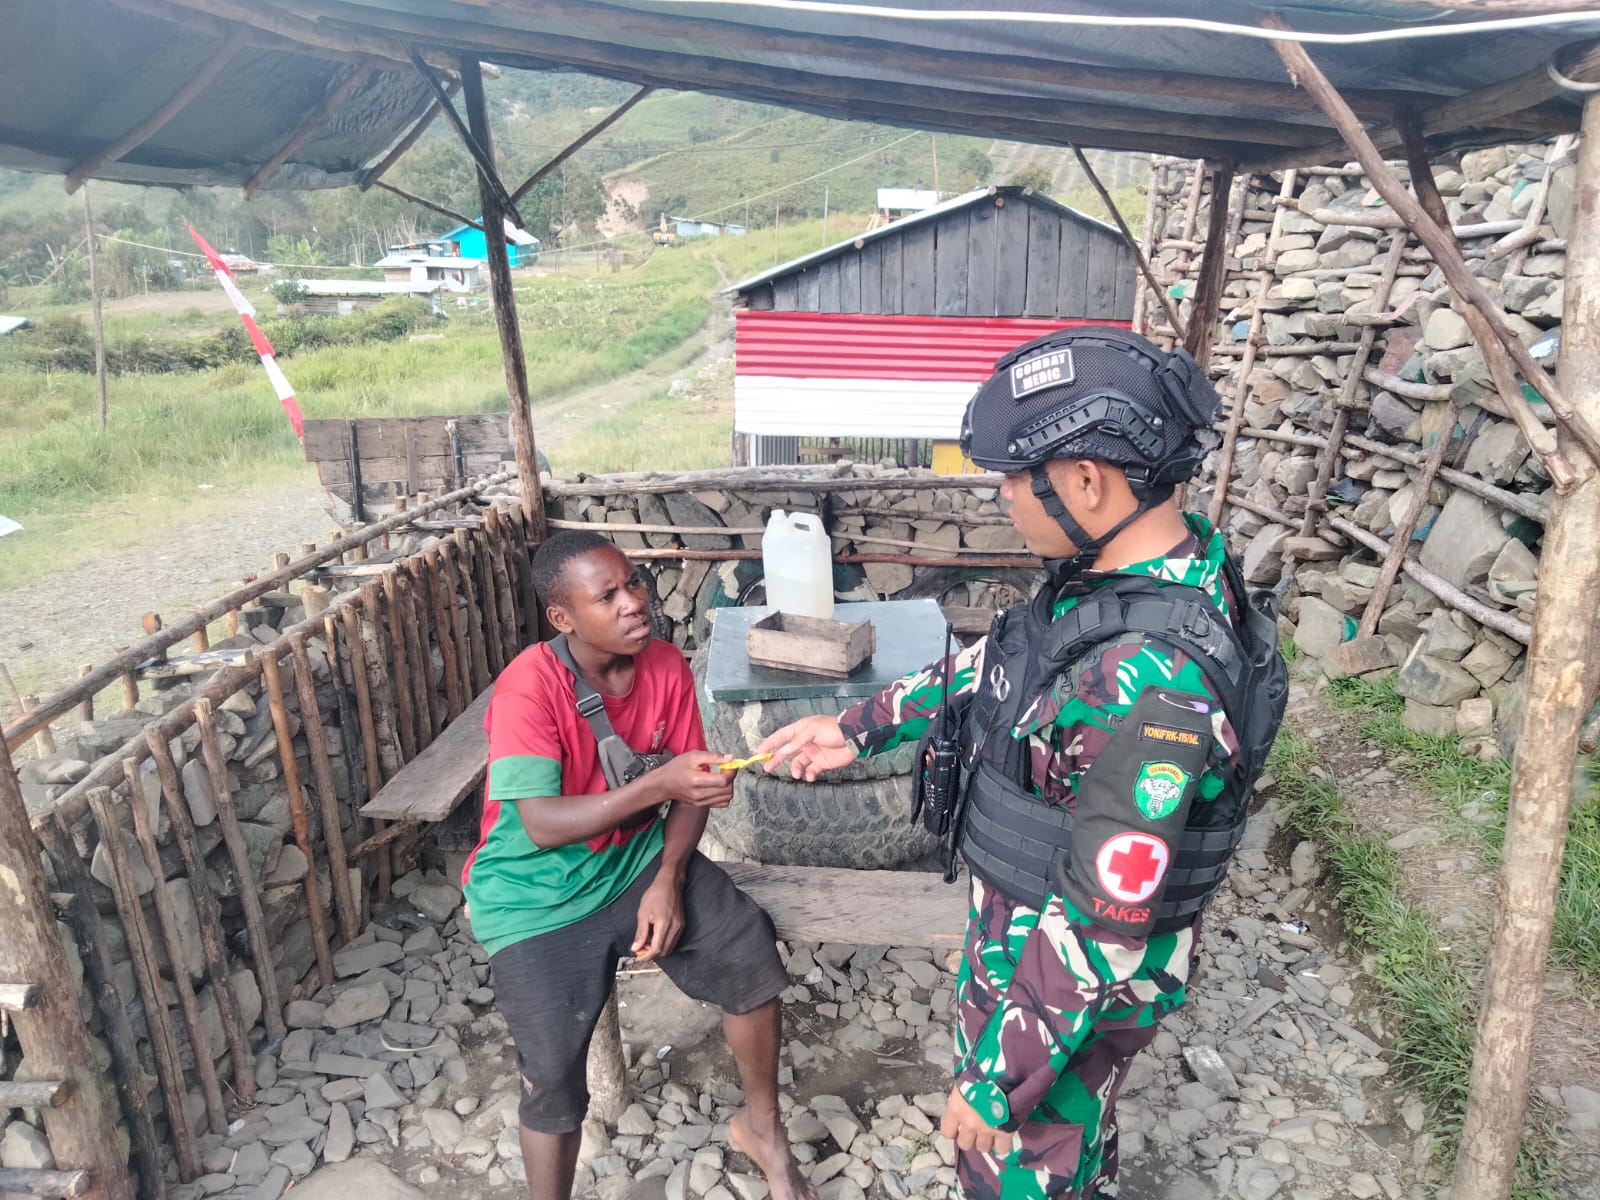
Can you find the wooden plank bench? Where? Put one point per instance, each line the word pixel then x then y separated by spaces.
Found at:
pixel 431 785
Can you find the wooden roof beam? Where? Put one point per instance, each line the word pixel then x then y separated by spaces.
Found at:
pixel 581 141
pixel 353 79
pixel 873 52
pixel 1523 101
pixel 214 65
pixel 691 72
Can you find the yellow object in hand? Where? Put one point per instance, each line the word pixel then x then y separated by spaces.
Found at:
pixel 738 763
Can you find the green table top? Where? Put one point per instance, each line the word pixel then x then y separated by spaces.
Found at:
pixel 910 635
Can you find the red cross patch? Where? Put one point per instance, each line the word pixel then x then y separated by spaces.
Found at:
pixel 1132 865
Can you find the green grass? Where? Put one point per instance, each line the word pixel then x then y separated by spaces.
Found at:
pixel 1476 796
pixel 1430 991
pixel 168 433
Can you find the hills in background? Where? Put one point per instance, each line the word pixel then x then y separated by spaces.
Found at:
pixel 683 153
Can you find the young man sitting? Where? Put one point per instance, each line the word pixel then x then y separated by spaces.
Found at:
pixel 572 874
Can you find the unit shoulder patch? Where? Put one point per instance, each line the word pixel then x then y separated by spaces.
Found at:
pixel 1159 788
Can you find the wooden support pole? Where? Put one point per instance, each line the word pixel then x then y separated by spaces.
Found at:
pixel 133 1085
pixel 378 738
pixel 97 309
pixel 86 707
pixel 171 944
pixel 498 533
pixel 299 819
pixel 363 628
pixel 420 613
pixel 479 550
pixel 407 628
pixel 34 1094
pixel 208 911
pixel 1523 503
pixel 1348 387
pixel 1559 681
pixel 425 586
pixel 522 558
pixel 1146 279
pixel 50 1027
pixel 163 1039
pixel 1132 243
pixel 477 660
pixel 1241 393
pixel 1500 345
pixel 442 597
pixel 496 207
pixel 363 780
pixel 239 855
pixel 1202 328
pixel 212 66
pixel 322 773
pixel 404 694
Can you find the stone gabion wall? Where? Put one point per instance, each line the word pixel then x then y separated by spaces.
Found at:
pixel 1457 677
pixel 260 796
pixel 874 519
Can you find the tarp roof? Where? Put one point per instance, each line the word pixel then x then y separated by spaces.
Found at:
pixel 1018 195
pixel 74 77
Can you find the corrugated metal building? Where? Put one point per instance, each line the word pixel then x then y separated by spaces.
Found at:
pixel 887 335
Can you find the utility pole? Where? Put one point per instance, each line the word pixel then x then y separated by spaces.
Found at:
pixel 99 317
pixel 934 139
pixel 824 214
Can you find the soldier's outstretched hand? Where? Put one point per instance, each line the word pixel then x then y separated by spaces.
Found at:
pixel 810 746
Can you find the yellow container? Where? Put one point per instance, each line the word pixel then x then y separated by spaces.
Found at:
pixel 948 460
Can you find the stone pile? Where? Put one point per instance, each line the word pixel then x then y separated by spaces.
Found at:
pixel 1457 676
pixel 874 519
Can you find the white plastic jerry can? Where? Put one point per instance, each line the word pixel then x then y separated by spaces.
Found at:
pixel 797 561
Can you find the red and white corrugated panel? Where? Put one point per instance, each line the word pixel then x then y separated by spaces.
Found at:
pixel 847 375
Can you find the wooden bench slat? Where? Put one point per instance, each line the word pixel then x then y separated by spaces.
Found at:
pixel 43 1183
pixel 863 908
pixel 429 787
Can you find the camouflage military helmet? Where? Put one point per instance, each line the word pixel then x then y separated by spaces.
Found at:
pixel 1095 392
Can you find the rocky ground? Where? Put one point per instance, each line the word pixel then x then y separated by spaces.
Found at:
pixel 1269 1083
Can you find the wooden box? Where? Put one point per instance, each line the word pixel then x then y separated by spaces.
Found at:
pixel 816 647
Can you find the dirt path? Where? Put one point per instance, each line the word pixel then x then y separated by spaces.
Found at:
pixel 58 620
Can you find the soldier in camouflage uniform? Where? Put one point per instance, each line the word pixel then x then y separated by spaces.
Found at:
pixel 1056 997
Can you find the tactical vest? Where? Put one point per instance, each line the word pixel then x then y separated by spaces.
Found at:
pixel 1018 843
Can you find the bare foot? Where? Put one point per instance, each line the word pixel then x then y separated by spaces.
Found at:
pixel 770 1152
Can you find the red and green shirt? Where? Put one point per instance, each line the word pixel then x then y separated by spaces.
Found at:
pixel 540 746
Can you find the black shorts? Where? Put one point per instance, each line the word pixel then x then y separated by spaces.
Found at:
pixel 551 988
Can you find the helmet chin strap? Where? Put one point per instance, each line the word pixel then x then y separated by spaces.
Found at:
pixel 1066 573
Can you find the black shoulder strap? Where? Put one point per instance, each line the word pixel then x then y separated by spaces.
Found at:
pixel 1179 615
pixel 591 705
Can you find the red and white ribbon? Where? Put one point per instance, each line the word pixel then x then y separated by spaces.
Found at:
pixel 247 314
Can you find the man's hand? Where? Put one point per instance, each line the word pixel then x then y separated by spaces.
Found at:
pixel 815 744
pixel 694 779
pixel 969 1131
pixel 660 920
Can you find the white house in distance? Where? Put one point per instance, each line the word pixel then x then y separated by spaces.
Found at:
pixel 418 266
pixel 341 297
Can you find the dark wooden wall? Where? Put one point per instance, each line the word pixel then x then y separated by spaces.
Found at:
pixel 1000 257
